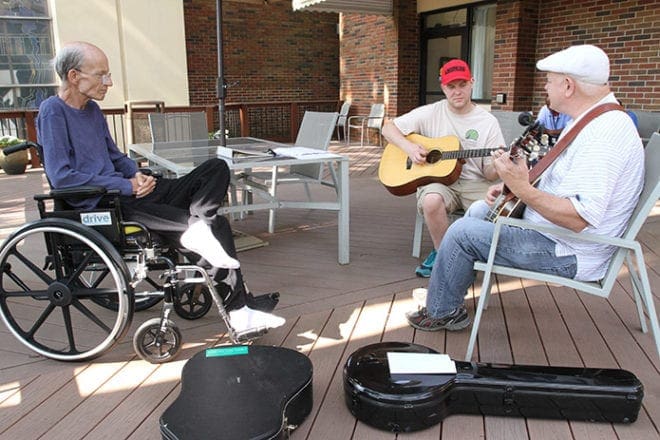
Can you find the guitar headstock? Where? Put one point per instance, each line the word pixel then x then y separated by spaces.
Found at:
pixel 533 144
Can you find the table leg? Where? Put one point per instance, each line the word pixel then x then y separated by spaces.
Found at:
pixel 343 233
pixel 273 193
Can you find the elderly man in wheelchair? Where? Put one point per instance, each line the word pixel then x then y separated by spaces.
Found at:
pixel 108 228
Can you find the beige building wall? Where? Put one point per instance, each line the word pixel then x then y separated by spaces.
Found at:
pixel 143 39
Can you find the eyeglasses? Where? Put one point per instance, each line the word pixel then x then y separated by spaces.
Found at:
pixel 105 78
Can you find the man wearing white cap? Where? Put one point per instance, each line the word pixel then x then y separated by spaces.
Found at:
pixel 572 193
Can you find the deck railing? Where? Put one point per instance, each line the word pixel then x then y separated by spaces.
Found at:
pixel 278 121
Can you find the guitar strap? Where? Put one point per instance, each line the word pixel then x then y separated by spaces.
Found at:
pixel 566 140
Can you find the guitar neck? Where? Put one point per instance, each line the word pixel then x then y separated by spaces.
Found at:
pixel 463 154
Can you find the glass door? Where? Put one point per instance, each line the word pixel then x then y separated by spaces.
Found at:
pixel 467 33
pixel 438 51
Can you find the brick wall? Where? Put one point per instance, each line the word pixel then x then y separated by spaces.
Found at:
pixel 281 55
pixel 409 56
pixel 275 54
pixel 627 30
pixel 380 55
pixel 514 64
pixel 380 59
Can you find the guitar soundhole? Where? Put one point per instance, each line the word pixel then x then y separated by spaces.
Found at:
pixel 434 156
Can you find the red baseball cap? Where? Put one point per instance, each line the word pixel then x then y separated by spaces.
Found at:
pixel 453 70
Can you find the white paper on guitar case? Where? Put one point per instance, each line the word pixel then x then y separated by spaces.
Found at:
pixel 420 363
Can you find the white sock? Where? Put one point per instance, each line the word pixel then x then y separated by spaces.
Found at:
pixel 246 318
pixel 200 239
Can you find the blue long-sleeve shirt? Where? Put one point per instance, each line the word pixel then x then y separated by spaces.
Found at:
pixel 78 149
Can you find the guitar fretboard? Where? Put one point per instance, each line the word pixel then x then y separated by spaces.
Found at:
pixel 462 154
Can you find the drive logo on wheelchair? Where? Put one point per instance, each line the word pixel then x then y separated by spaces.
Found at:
pixel 96 218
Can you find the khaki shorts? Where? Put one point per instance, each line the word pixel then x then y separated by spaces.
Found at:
pixel 460 195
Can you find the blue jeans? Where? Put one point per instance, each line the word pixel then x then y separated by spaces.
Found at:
pixel 468 240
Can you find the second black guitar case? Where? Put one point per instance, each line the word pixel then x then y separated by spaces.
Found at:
pixel 410 402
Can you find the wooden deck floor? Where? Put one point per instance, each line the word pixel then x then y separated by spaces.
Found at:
pixel 332 311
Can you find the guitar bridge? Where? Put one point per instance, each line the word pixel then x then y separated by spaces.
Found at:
pixel 408 163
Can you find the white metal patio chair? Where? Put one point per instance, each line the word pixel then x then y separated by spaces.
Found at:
pixel 627 245
pixel 169 127
pixel 342 120
pixel 365 123
pixel 419 229
pixel 315 132
pixel 185 126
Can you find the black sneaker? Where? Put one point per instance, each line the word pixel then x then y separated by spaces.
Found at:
pixel 265 302
pixel 456 320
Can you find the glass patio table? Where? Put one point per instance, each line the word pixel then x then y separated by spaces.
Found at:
pixel 180 157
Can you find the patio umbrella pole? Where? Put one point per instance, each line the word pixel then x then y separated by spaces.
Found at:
pixel 221 87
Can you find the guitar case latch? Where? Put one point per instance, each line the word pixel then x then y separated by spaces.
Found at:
pixel 508 401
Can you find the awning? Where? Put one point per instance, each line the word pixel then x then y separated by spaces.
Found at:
pixel 371 7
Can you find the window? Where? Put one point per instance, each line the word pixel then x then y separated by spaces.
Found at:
pixel 26 48
pixel 467 33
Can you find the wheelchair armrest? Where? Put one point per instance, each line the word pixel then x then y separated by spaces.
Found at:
pixel 151 172
pixel 77 192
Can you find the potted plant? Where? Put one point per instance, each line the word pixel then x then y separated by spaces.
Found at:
pixel 15 163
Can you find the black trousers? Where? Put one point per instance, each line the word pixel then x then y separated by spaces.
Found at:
pixel 176 203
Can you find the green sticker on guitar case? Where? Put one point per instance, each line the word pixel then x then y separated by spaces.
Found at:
pixel 227 351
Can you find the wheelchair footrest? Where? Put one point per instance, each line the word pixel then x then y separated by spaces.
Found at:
pixel 250 334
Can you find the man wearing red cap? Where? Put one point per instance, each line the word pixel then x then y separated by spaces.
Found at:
pixel 475 127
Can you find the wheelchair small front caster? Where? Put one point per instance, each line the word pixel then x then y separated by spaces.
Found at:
pixel 156 346
pixel 192 301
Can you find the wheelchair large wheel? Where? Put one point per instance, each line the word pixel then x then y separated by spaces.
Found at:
pixel 48 303
pixel 155 345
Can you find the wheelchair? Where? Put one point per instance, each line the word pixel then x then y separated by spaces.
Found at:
pixel 71 281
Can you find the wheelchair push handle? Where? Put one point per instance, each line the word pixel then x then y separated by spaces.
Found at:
pixel 19 147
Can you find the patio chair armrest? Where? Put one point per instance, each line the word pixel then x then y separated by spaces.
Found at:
pixel 558 230
pixel 361 120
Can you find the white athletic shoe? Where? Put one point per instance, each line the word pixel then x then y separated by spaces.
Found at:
pixel 200 239
pixel 246 318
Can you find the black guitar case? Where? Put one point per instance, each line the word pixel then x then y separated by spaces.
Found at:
pixel 240 392
pixel 410 402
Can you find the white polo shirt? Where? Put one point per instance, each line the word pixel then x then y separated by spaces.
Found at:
pixel 602 174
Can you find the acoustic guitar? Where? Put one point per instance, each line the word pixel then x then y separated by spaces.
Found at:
pixel 444 162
